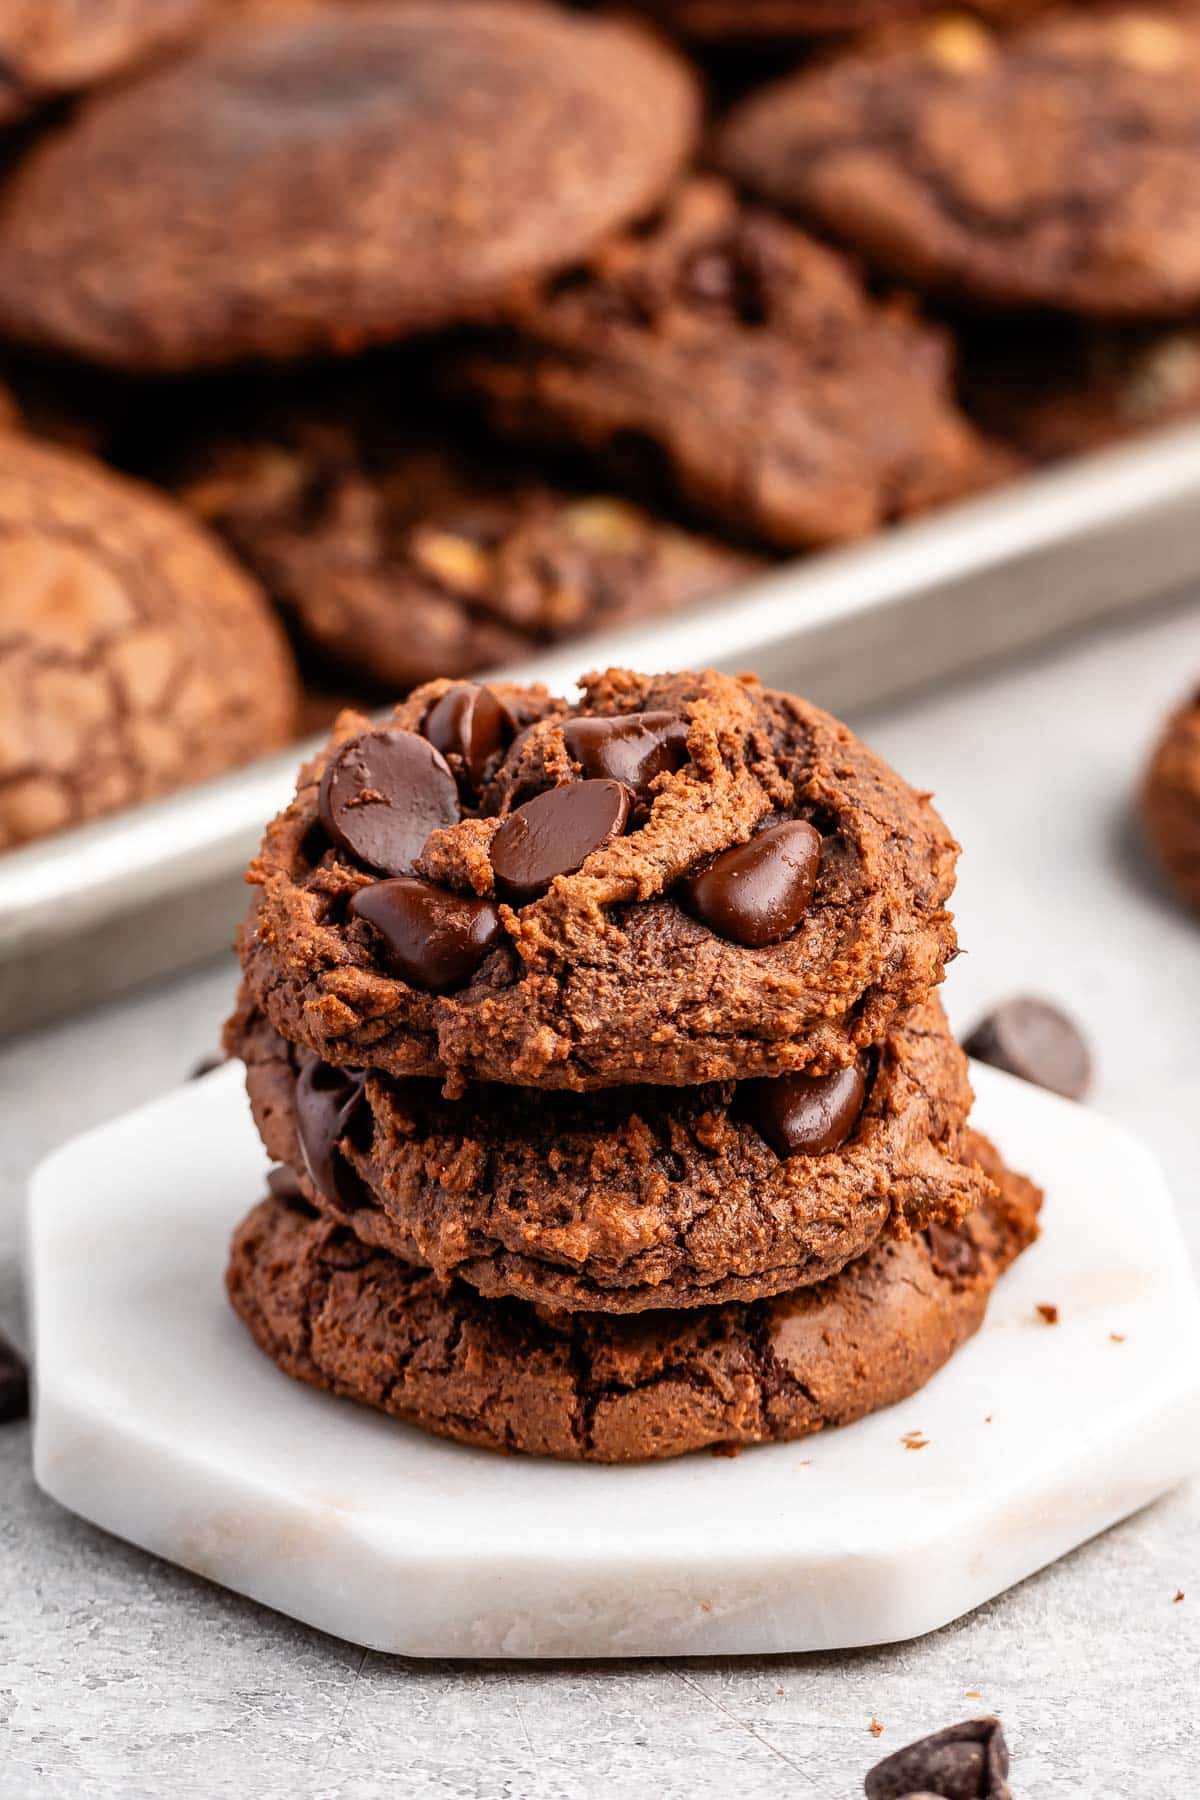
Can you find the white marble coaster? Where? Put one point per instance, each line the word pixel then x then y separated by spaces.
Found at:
pixel 159 1420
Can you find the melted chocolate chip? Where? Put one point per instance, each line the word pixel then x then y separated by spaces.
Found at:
pixel 633 748
pixel 14 1384
pixel 807 1115
pixel 756 893
pixel 381 796
pixel 554 833
pixel 327 1102
pixel 953 1254
pixel 1034 1040
pixel 435 939
pixel 468 722
pixel 965 1762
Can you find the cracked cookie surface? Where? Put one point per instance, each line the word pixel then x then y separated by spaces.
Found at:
pixel 1171 800
pixel 135 656
pixel 336 179
pixel 630 1198
pixel 508 1376
pixel 613 975
pixel 406 559
pixel 915 148
pixel 749 368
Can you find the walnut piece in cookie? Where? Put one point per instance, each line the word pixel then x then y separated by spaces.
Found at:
pixel 747 364
pixel 628 1198
pixel 914 147
pixel 586 1386
pixel 135 656
pixel 590 828
pixel 1171 800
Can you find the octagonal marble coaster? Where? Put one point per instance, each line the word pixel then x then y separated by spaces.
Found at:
pixel 159 1420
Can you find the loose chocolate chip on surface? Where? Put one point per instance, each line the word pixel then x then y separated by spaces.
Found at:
pixel 14 1385
pixel 435 939
pixel 1030 1038
pixel 954 1255
pixel 382 795
pixel 965 1762
pixel 327 1100
pixel 756 893
pixel 469 722
pixel 554 833
pixel 807 1115
pixel 633 747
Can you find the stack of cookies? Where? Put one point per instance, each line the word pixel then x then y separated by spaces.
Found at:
pixel 598 1049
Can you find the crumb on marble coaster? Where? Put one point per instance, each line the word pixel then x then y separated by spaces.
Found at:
pixel 1047 1313
pixel 914 1440
pixel 1116 1337
pixel 875 1728
pixel 1178 1596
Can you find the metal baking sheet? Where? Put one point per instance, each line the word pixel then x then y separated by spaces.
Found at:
pixel 88 913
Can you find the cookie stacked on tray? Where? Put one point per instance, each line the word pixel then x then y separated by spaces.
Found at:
pixel 598 1048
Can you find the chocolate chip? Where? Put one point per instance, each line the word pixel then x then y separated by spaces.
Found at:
pixel 14 1385
pixel 953 1254
pixel 633 748
pixel 1030 1038
pixel 283 1185
pixel 435 939
pixel 327 1103
pixel 807 1115
pixel 756 893
pixel 381 796
pixel 468 722
pixel 554 833
pixel 965 1762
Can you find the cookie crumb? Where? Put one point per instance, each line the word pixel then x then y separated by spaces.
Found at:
pixel 1178 1597
pixel 987 1418
pixel 1047 1313
pixel 914 1440
pixel 1117 1337
pixel 875 1728
pixel 972 1694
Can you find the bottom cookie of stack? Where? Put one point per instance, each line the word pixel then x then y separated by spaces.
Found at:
pixel 601 1387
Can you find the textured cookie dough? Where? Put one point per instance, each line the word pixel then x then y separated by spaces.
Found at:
pixel 1171 800
pixel 1058 166
pixel 508 1376
pixel 633 1198
pixel 607 979
pixel 53 47
pixel 340 178
pixel 135 655
pixel 405 559
pixel 1063 392
pixel 748 366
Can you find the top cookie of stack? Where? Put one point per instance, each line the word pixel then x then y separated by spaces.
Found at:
pixel 676 880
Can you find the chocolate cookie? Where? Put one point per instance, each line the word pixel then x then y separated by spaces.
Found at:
pixel 53 47
pixel 587 1386
pixel 1171 800
pixel 917 150
pixel 135 655
pixel 749 366
pixel 404 559
pixel 340 178
pixel 1058 393
pixel 680 879
pixel 628 1198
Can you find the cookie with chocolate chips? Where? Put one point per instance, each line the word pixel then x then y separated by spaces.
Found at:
pixel 346 176
pixel 508 1376
pixel 744 365
pixel 403 558
pixel 915 148
pixel 1171 800
pixel 54 47
pixel 674 880
pixel 628 1199
pixel 135 655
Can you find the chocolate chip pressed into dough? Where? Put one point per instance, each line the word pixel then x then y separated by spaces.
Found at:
pixel 747 365
pixel 918 149
pixel 508 1376
pixel 607 979
pixel 631 1198
pixel 135 655
pixel 339 178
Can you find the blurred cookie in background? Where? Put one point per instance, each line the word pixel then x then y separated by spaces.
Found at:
pixel 399 556
pixel 1171 800
pixel 1054 166
pixel 778 21
pixel 135 655
pixel 49 48
pixel 747 365
pixel 1061 391
pixel 343 177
